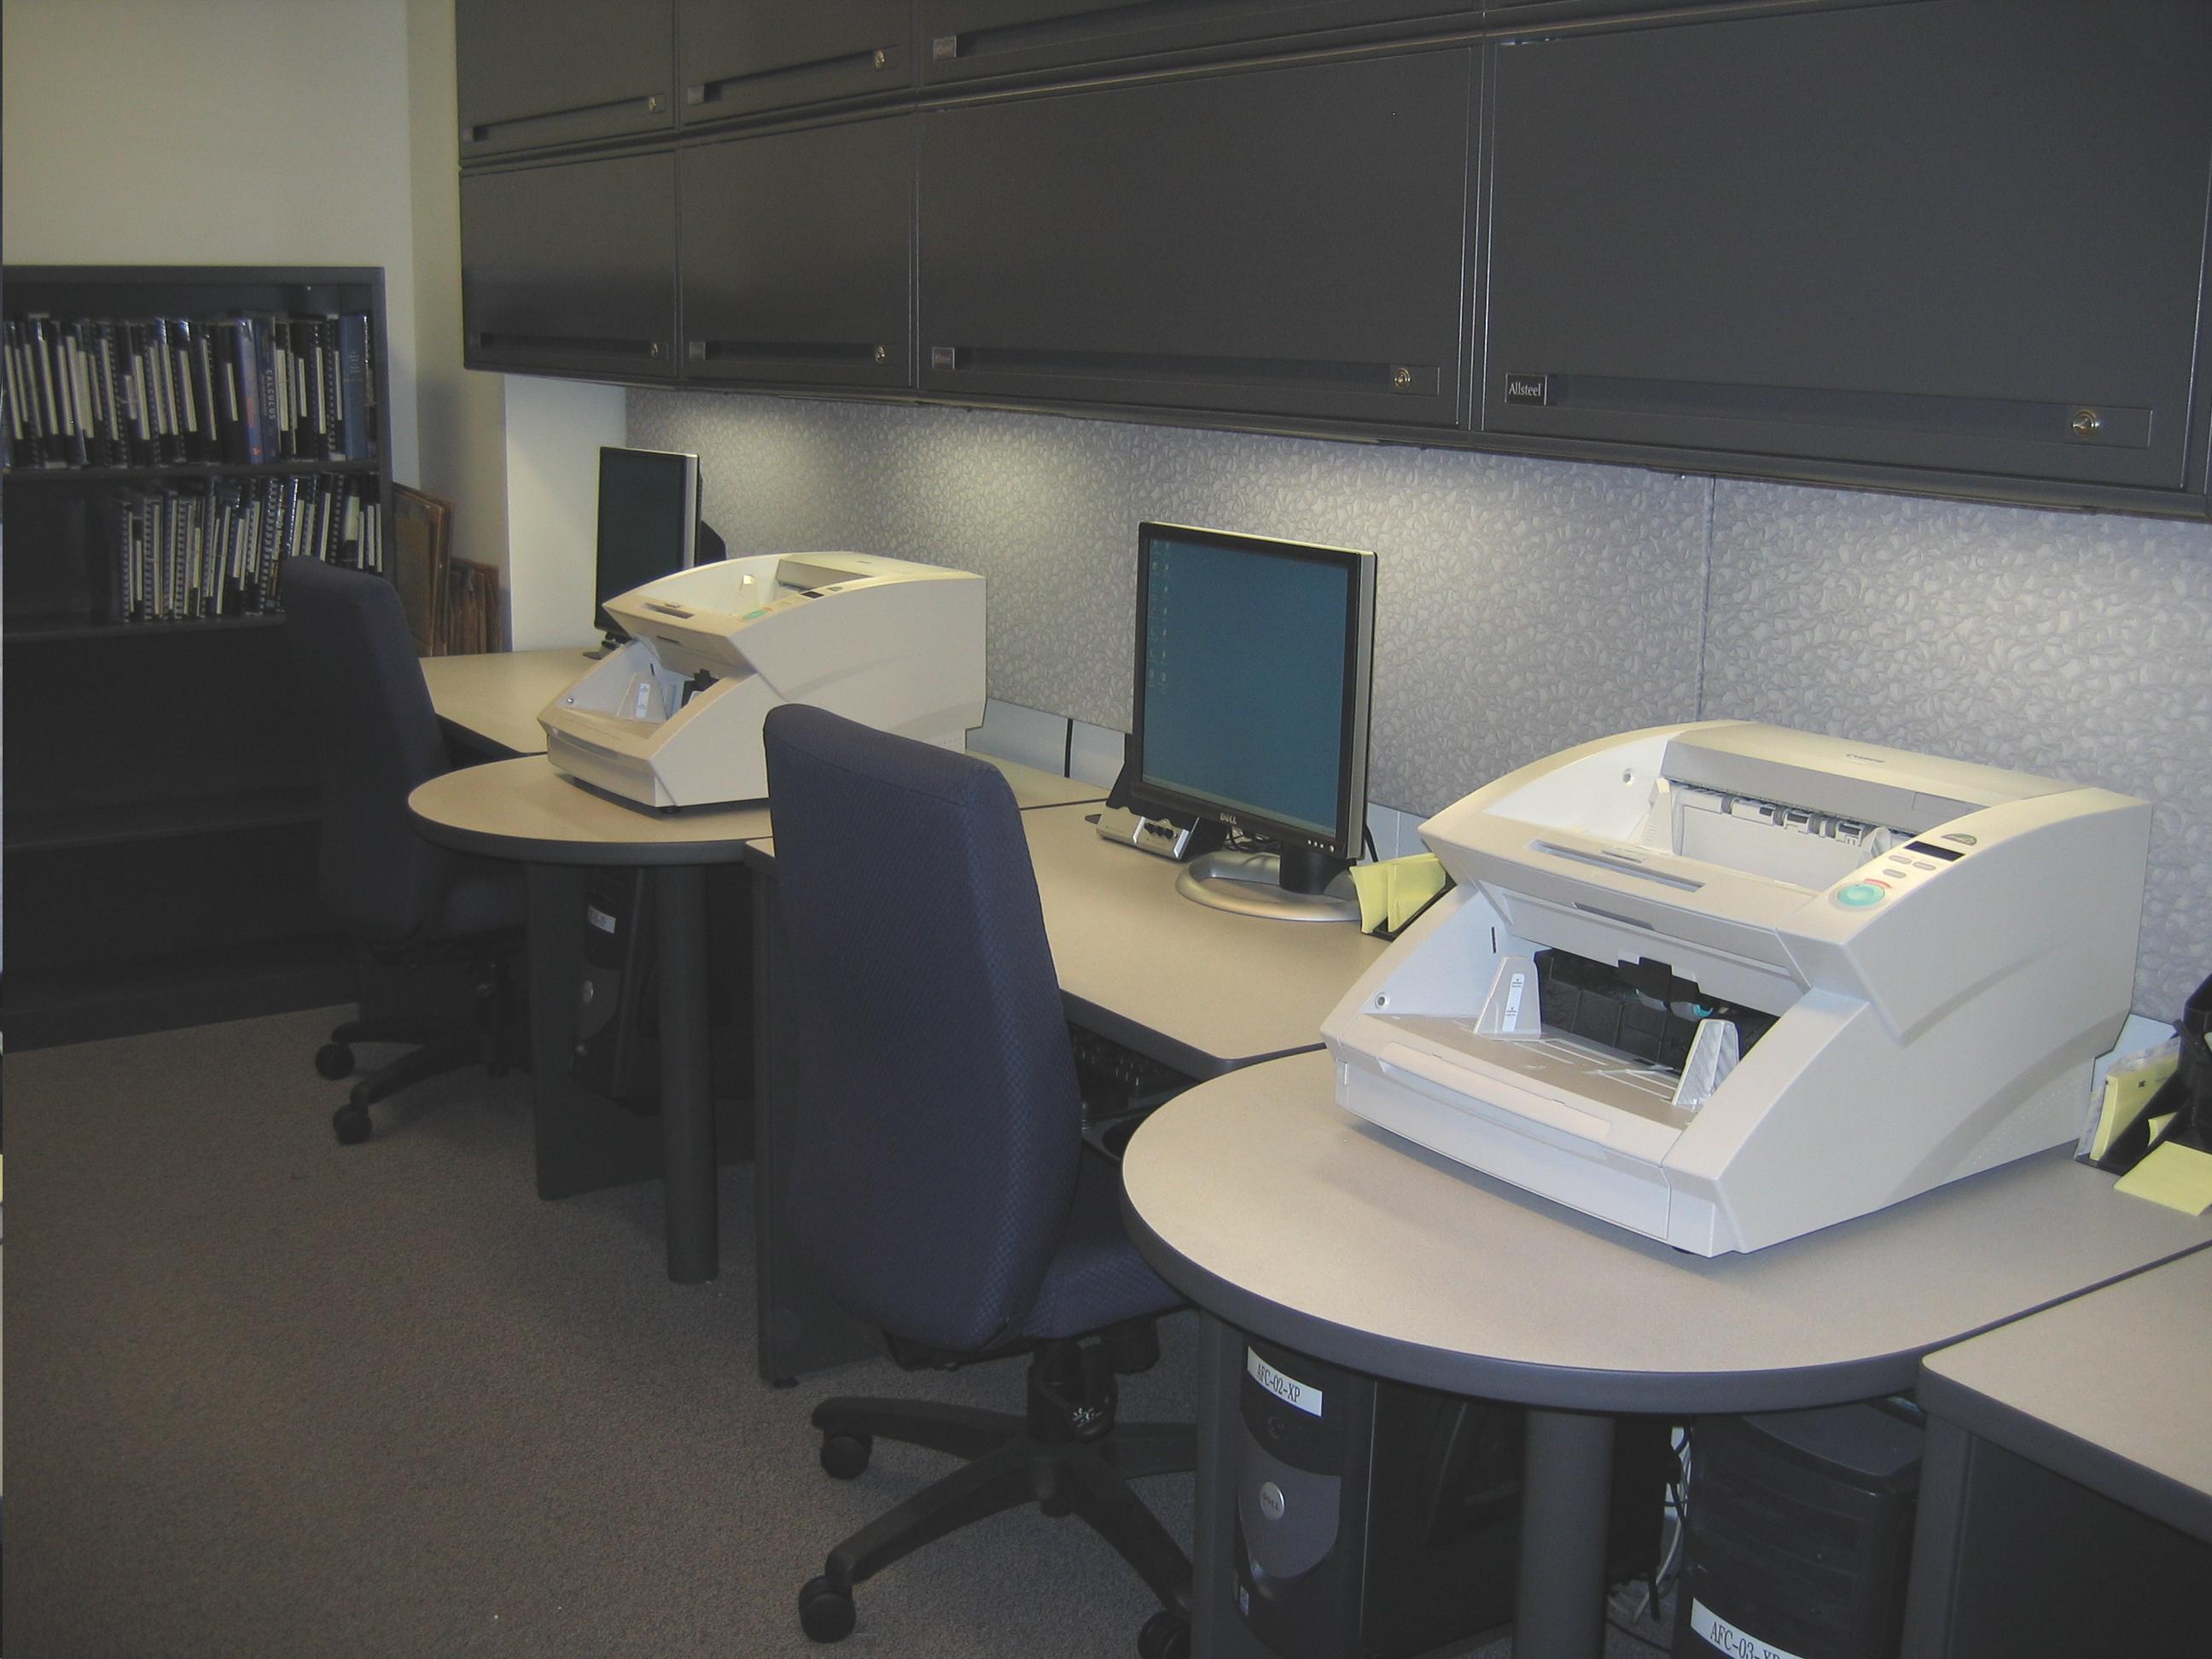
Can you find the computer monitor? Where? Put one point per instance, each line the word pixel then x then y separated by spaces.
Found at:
pixel 649 525
pixel 1253 661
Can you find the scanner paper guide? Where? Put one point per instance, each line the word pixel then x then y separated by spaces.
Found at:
pixel 1810 978
pixel 673 718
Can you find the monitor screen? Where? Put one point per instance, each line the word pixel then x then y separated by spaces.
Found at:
pixel 1254 658
pixel 648 520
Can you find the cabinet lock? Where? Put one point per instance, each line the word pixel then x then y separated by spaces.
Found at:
pixel 2087 423
pixel 1402 380
pixel 653 105
pixel 883 354
pixel 882 59
pixel 655 350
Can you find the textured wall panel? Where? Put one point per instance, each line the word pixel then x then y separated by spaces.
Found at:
pixel 1526 606
pixel 1522 605
pixel 2072 645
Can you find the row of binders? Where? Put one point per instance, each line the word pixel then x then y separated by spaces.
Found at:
pixel 247 389
pixel 215 550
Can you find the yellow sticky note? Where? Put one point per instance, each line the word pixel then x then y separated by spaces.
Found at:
pixel 1414 882
pixel 2126 1094
pixel 1372 882
pixel 2180 1178
pixel 2156 1127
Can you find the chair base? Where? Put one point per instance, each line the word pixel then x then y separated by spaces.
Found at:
pixel 489 1039
pixel 1066 1454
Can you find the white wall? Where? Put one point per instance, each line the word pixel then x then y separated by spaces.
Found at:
pixel 554 431
pixel 217 132
pixel 462 412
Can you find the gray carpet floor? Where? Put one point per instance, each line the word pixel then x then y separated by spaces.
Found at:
pixel 268 1395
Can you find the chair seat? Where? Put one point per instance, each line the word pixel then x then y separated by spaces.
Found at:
pixel 1096 1277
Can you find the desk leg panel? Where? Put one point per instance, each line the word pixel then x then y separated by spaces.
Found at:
pixel 799 1328
pixel 1566 1499
pixel 584 1142
pixel 687 1107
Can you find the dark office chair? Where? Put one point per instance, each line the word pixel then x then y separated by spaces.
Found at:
pixel 939 1183
pixel 408 902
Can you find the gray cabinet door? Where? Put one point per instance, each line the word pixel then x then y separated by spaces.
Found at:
pixel 1286 241
pixel 1960 235
pixel 569 267
pixel 739 56
pixel 798 257
pixel 968 40
pixel 533 73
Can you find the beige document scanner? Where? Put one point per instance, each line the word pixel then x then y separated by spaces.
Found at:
pixel 673 718
pixel 1871 972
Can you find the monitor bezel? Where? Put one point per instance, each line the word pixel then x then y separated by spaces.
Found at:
pixel 693 498
pixel 1354 705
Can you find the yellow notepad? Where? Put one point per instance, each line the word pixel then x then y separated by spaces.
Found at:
pixel 2180 1178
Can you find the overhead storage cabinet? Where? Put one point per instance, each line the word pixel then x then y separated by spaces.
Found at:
pixel 1962 236
pixel 1281 241
pixel 533 73
pixel 776 291
pixel 569 267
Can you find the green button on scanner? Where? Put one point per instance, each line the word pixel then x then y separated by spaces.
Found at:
pixel 1859 895
pixel 750 615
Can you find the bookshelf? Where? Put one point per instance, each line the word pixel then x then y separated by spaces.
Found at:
pixel 160 807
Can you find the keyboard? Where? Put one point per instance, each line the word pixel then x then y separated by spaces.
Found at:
pixel 1116 1080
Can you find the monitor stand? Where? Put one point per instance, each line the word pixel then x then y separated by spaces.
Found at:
pixel 1250 883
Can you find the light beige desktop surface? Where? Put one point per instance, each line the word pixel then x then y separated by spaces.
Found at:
pixel 495 696
pixel 1380 1255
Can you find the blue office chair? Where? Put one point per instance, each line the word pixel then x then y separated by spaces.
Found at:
pixel 939 1181
pixel 408 902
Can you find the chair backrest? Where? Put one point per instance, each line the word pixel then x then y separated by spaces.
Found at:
pixel 938 1122
pixel 376 736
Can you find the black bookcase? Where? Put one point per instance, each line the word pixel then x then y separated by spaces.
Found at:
pixel 161 801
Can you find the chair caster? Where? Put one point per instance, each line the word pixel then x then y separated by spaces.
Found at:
pixel 845 1455
pixel 1165 1636
pixel 350 1124
pixel 825 1613
pixel 334 1061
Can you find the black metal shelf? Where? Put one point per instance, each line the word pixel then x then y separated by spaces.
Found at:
pixel 31 630
pixel 189 470
pixel 121 826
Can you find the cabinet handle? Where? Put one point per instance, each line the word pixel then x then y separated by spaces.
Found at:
pixel 2012 420
pixel 595 345
pixel 874 59
pixel 766 356
pixel 1402 380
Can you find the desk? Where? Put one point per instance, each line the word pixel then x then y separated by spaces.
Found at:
pixel 491 700
pixel 524 809
pixel 1283 1215
pixel 1206 991
pixel 2108 1391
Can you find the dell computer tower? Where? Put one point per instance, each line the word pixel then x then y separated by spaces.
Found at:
pixel 1375 1521
pixel 1800 1533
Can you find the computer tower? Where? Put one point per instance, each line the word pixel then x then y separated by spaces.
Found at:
pixel 1375 1521
pixel 616 1052
pixel 1800 1533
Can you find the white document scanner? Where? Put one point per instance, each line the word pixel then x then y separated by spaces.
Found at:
pixel 1841 974
pixel 673 718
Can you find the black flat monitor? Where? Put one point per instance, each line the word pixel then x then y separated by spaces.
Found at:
pixel 1255 658
pixel 649 525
